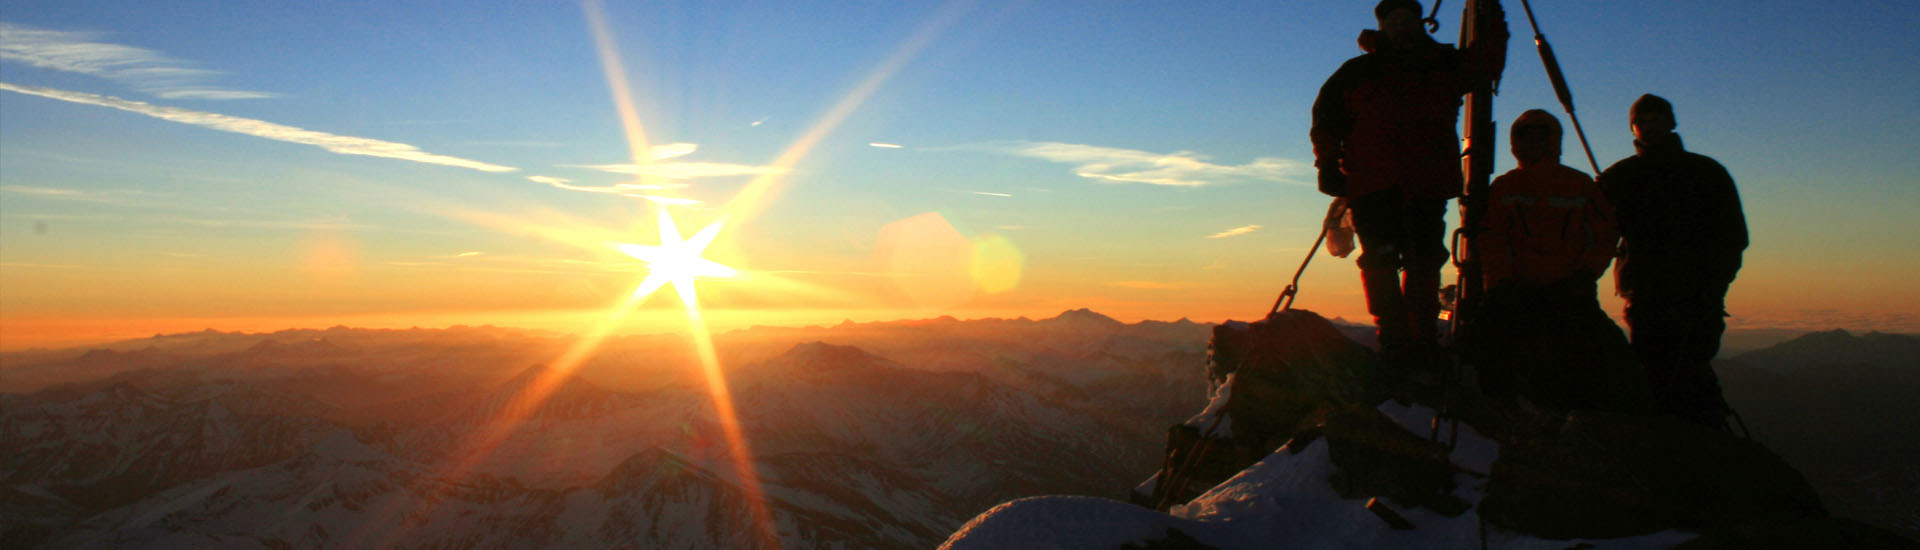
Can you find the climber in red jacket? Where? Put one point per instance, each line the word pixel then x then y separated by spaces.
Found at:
pixel 1384 137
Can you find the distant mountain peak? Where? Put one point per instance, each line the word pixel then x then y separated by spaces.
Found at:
pixel 1838 347
pixel 822 353
pixel 1084 316
pixel 651 464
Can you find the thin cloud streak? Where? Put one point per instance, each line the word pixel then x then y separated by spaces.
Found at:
pixel 635 190
pixel 66 194
pixel 880 145
pixel 143 69
pixel 320 225
pixel 683 170
pixel 1235 232
pixel 664 167
pixel 43 191
pixel 1179 169
pixel 345 145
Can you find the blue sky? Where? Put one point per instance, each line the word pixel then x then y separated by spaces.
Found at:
pixel 1056 126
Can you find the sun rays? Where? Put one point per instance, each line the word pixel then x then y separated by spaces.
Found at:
pixel 677 261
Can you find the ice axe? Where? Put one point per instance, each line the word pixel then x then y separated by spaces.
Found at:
pixel 1560 88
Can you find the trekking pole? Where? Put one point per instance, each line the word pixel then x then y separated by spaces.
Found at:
pixel 1559 83
pixel 1285 302
pixel 1183 473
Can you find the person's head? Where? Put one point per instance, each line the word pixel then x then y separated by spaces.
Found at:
pixel 1536 137
pixel 1398 18
pixel 1651 118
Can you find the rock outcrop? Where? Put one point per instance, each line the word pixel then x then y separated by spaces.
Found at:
pixel 1310 442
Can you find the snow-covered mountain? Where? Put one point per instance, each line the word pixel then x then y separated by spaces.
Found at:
pixel 852 448
pixel 78 449
pixel 863 435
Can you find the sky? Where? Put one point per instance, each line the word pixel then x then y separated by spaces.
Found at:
pixel 170 166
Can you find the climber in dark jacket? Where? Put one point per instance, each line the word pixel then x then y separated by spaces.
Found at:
pixel 1682 234
pixel 1384 138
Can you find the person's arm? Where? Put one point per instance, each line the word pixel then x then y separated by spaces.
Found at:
pixel 1603 229
pixel 1485 59
pixel 1492 244
pixel 1613 187
pixel 1729 225
pixel 1332 121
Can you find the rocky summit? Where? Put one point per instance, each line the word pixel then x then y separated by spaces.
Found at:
pixel 1309 441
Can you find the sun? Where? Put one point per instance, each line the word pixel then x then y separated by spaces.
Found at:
pixel 677 261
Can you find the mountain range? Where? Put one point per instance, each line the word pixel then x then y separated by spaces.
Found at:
pixel 863 435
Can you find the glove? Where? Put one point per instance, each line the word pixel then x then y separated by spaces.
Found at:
pixel 1332 182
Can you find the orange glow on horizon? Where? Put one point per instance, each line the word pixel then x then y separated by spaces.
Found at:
pixel 677 262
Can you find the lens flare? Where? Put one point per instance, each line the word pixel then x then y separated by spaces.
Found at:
pixel 679 262
pixel 996 264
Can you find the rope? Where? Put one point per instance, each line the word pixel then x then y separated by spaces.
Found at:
pixel 1285 302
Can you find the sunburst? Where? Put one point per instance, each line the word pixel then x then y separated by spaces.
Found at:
pixel 676 261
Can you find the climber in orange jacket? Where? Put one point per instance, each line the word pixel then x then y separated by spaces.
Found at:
pixel 1547 225
pixel 1548 234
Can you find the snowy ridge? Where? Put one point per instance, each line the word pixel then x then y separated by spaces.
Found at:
pixel 1282 501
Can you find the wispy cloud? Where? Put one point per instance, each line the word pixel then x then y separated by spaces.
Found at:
pixel 143 69
pixel 1179 169
pixel 880 145
pixel 527 143
pixel 1235 232
pixel 683 170
pixel 663 165
pixel 345 145
pixel 338 224
pixel 513 264
pixel 43 191
pixel 981 193
pixel 757 123
pixel 68 194
pixel 649 191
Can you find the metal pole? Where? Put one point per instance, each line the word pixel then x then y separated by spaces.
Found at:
pixel 1559 80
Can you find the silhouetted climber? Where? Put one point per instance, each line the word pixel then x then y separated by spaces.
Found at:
pixel 1682 233
pixel 1547 236
pixel 1384 137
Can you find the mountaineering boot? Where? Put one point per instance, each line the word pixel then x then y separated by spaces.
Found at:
pixel 1389 310
pixel 1421 289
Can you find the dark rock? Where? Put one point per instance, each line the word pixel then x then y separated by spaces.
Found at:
pixel 1175 540
pixel 1375 457
pixel 1605 475
pixel 1796 535
pixel 1292 369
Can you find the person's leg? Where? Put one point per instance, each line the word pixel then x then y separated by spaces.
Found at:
pixel 1653 334
pixel 1425 242
pixel 1377 221
pixel 1696 387
pixel 1675 345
